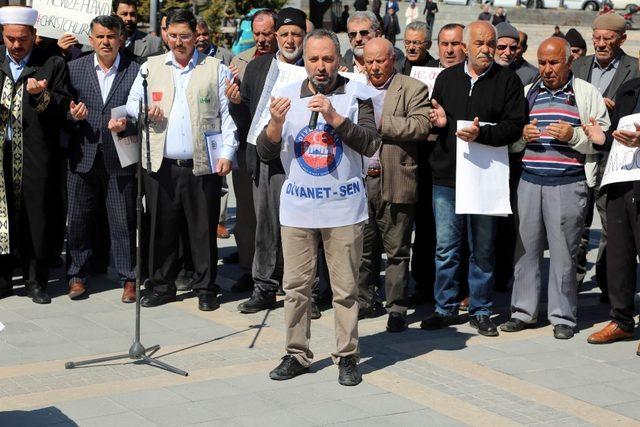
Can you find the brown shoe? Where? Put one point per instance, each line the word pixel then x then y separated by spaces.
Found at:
pixel 610 333
pixel 129 292
pixel 76 288
pixel 223 232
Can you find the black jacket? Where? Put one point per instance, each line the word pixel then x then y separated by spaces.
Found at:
pixel 497 97
pixel 250 91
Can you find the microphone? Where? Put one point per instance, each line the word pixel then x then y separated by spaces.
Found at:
pixel 313 121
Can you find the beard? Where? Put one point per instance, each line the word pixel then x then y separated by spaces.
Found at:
pixel 358 51
pixel 130 28
pixel 322 86
pixel 292 56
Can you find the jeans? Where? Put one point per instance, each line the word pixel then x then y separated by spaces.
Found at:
pixel 450 229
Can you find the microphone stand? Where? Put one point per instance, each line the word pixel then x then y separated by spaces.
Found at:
pixel 137 351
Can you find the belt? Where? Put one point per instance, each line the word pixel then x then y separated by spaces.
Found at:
pixel 183 163
pixel 374 172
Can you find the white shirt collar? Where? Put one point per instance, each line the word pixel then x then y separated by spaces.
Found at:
pixel 113 68
pixel 171 59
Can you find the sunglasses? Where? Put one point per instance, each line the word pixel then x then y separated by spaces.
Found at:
pixel 512 48
pixel 363 33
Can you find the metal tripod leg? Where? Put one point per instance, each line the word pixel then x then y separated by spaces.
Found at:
pixel 155 362
pixel 71 365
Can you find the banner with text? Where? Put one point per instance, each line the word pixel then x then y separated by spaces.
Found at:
pixel 58 17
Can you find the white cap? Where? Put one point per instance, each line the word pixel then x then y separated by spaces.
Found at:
pixel 18 15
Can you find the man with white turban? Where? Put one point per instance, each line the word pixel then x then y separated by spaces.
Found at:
pixel 34 99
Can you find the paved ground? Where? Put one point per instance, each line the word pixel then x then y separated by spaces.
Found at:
pixel 449 377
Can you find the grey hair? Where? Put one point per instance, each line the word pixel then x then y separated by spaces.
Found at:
pixel 419 26
pixel 466 32
pixel 365 15
pixel 321 33
pixel 200 22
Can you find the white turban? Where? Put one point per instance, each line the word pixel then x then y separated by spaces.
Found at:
pixel 18 15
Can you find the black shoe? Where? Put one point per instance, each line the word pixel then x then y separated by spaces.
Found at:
pixel 232 258
pixel 515 325
pixel 208 301
pixel 349 374
pixel 396 322
pixel 154 299
pixel 280 292
pixel 287 369
pixel 438 321
pixel 243 284
pixel 484 325
pixel 6 292
pixel 562 332
pixel 37 293
pixel 258 302
pixel 315 311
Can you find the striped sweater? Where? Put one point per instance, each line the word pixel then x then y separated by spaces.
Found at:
pixel 548 161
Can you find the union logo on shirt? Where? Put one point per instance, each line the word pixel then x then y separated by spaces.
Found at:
pixel 319 150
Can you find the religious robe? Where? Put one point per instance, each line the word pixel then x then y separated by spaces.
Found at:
pixel 34 210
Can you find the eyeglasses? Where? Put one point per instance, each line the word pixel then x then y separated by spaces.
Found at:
pixel 512 48
pixel 413 43
pixel 363 33
pixel 182 37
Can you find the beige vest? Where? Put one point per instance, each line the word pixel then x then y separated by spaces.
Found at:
pixel 203 101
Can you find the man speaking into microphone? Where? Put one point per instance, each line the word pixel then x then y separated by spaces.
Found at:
pixel 322 199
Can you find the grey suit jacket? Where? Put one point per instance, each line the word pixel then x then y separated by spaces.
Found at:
pixel 405 124
pixel 627 70
pixel 145 45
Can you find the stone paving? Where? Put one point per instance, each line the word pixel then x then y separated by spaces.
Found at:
pixel 450 377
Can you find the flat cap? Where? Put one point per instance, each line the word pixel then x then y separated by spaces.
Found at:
pixel 610 21
pixel 575 39
pixel 505 29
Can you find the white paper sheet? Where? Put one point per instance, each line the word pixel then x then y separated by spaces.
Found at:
pixel 280 74
pixel 624 162
pixel 127 148
pixel 356 77
pixel 214 147
pixel 426 75
pixel 482 177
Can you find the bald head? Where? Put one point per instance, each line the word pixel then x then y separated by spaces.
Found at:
pixel 554 62
pixel 379 45
pixel 555 45
pixel 379 60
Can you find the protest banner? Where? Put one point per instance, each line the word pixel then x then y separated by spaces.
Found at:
pixel 59 17
pixel 623 163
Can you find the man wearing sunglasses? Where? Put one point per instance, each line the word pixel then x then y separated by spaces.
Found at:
pixel 362 27
pixel 507 44
pixel 607 70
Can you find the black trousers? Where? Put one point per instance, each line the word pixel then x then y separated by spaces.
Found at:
pixel 175 196
pixel 423 256
pixel 623 218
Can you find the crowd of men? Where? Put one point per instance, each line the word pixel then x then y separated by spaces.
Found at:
pixel 343 169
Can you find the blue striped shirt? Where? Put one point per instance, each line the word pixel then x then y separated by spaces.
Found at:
pixel 548 161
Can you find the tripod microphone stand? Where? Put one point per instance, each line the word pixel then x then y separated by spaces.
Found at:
pixel 137 351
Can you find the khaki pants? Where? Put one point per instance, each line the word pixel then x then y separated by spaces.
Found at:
pixel 343 250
